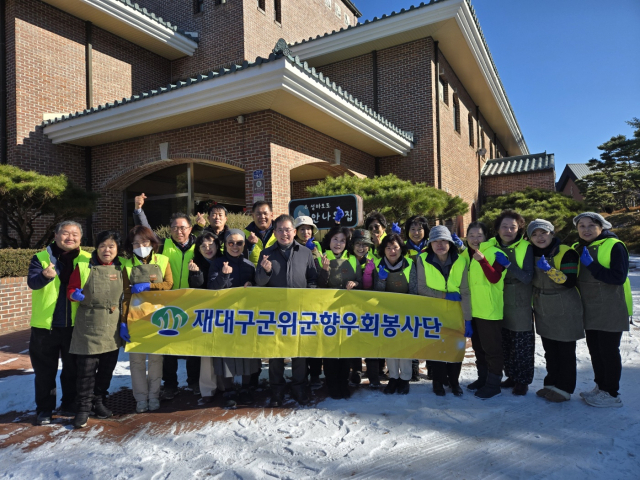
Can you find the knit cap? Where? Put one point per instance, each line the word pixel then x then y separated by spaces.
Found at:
pixel 539 223
pixel 234 231
pixel 439 232
pixel 595 216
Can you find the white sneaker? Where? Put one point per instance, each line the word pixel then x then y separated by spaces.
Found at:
pixel 142 406
pixel 154 404
pixel 591 393
pixel 603 400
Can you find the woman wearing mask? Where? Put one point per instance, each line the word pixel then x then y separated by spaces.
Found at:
pixel 145 270
pixel 393 275
pixel 97 287
pixel 518 340
pixel 486 283
pixel 340 269
pixel 606 298
pixel 557 309
pixel 229 271
pixel 441 272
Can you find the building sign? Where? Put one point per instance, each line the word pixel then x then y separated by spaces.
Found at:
pixel 322 210
pixel 258 186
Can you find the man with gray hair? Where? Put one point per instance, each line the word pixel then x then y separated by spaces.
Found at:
pixel 287 264
pixel 52 318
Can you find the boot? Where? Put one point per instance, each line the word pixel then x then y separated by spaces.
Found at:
pixel 453 374
pixel 100 410
pixel 299 393
pixel 345 390
pixel 372 373
pixel 230 399
pixel 520 389
pixel 391 386
pixel 491 387
pixel 403 387
pixel 429 370
pixel 438 388
pixel 415 371
pixel 245 397
pixel 482 378
pixel 277 397
pixel 508 383
pixel 334 390
pixel 81 419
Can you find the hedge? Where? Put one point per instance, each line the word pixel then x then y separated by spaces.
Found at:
pixel 15 262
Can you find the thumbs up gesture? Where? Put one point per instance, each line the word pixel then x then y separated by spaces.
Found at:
pixel 226 269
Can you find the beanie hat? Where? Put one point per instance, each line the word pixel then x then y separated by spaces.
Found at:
pixel 539 223
pixel 304 220
pixel 596 217
pixel 439 232
pixel 234 231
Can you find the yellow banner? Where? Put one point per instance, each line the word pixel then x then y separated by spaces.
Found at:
pixel 290 322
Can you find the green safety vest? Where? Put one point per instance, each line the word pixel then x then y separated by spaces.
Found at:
pixel 487 299
pixel 353 261
pixel 179 262
pixel 254 256
pixel 518 248
pixel 604 248
pixel 157 259
pixel 406 271
pixel 436 280
pixel 43 301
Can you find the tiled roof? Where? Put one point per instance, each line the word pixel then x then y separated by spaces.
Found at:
pixel 520 164
pixel 574 171
pixel 160 20
pixel 281 51
pixel 424 5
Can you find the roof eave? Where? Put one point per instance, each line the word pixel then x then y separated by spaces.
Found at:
pixel 133 24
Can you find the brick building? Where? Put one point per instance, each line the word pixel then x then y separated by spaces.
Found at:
pixel 567 182
pixel 189 101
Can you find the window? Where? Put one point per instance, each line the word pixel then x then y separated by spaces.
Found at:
pixel 277 10
pixel 456 113
pixel 198 6
pixel 327 3
pixel 471 142
pixel 261 5
pixel 347 20
pixel 338 11
pixel 444 90
pixel 481 138
pixel 491 148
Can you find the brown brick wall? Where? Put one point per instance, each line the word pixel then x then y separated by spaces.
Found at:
pixel 505 184
pixel 572 190
pixel 15 303
pixel 299 189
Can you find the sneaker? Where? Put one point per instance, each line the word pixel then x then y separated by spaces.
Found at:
pixel 142 406
pixel 591 393
pixel 391 387
pixel 315 382
pixel 194 387
pixel 81 420
pixel 169 393
pixel 101 411
pixel 44 418
pixel 603 400
pixel 67 410
pixel 154 404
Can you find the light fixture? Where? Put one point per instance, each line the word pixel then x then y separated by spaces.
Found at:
pixel 240 119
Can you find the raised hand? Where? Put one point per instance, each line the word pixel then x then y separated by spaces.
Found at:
pixel 543 264
pixel 193 267
pixel 586 259
pixel 456 240
pixel 253 238
pixel 339 215
pixel 310 245
pixel 226 269
pixel 395 228
pixel 382 273
pixel 139 201
pixel 266 264
pixel 478 255
pixel 50 271
pixel 200 220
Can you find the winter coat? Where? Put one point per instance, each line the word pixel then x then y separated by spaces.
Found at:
pixel 242 272
pixel 299 271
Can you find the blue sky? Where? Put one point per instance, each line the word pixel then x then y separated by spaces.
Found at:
pixel 571 68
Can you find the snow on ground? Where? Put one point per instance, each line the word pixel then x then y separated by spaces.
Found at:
pixel 369 436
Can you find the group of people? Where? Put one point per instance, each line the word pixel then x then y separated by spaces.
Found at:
pixel 521 278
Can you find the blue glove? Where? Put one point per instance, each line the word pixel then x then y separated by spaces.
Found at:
pixel 382 273
pixel 453 297
pixel 502 259
pixel 339 215
pixel 468 329
pixel 140 287
pixel 310 245
pixel 586 259
pixel 456 239
pixel 543 264
pixel 77 295
pixel 124 333
pixel 395 228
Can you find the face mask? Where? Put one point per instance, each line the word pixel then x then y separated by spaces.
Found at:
pixel 143 252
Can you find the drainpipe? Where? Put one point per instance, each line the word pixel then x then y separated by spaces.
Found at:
pixel 437 61
pixel 88 58
pixel 4 78
pixel 374 66
pixel 479 161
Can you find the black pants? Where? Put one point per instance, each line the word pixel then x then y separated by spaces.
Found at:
pixel 356 364
pixel 276 372
pixel 314 367
pixel 561 364
pixel 94 377
pixel 487 344
pixel 45 348
pixel 170 370
pixel 336 370
pixel 604 348
pixel 446 372
pixel 518 349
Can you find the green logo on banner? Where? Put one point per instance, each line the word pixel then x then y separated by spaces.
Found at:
pixel 169 320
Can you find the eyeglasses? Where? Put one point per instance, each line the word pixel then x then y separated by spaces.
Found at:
pixel 374 226
pixel 179 229
pixel 284 230
pixel 239 243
